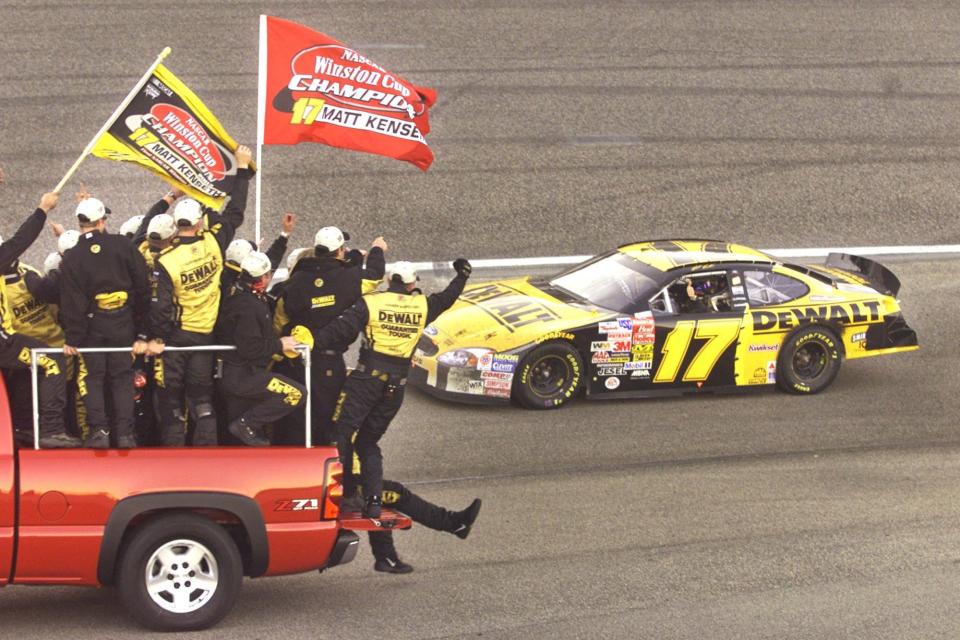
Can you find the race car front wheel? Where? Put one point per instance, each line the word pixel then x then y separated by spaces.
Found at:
pixel 548 376
pixel 180 572
pixel 809 360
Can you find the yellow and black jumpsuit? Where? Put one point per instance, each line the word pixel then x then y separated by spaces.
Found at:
pixel 33 318
pixel 392 322
pixel 104 299
pixel 15 347
pixel 252 395
pixel 183 313
pixel 317 292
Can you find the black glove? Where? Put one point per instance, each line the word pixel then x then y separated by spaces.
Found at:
pixel 462 267
pixel 354 258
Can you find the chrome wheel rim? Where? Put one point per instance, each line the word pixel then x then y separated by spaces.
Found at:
pixel 181 576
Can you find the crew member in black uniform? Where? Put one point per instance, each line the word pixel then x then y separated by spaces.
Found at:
pixel 104 300
pixel 392 322
pixel 183 312
pixel 15 348
pixel 254 397
pixel 320 288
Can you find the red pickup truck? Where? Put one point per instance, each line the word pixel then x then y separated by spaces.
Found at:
pixel 175 530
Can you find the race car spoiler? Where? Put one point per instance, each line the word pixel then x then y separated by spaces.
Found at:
pixel 879 277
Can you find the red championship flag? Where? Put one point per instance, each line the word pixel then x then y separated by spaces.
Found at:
pixel 316 89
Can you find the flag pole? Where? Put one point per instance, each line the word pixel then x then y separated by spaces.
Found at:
pixel 112 119
pixel 261 116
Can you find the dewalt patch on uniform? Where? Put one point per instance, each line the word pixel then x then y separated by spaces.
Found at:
pixel 24 356
pixel 291 395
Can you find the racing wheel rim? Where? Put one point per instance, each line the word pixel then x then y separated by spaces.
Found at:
pixel 548 375
pixel 810 361
pixel 181 576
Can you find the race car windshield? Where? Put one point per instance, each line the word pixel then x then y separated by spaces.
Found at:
pixel 614 282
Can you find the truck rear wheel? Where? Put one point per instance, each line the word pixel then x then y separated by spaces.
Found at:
pixel 180 573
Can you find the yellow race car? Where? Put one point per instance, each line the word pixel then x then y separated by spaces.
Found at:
pixel 662 317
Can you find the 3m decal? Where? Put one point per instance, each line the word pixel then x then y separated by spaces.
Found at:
pixel 719 335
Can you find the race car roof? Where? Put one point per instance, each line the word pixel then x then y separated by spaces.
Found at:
pixel 671 254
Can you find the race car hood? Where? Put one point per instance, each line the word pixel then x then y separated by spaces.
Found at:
pixel 508 314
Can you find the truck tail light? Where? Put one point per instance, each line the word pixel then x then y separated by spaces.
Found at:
pixel 333 476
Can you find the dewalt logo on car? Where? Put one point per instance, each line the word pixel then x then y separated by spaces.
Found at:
pixel 850 313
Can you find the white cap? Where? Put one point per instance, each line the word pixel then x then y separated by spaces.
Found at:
pixel 129 228
pixel 68 240
pixel 237 250
pixel 256 264
pixel 91 210
pixel 161 227
pixel 330 238
pixel 405 271
pixel 295 256
pixel 188 210
pixel 51 262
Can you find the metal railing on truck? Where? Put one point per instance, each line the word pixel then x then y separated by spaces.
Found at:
pixel 304 351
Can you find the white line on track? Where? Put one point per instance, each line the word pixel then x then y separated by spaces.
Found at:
pixel 934 251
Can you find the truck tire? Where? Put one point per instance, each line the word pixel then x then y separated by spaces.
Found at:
pixel 548 376
pixel 181 572
pixel 809 360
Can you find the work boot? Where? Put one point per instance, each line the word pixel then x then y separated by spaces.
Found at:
pixel 126 442
pixel 372 509
pixel 392 564
pixel 463 520
pixel 99 439
pixel 247 434
pixel 351 504
pixel 59 441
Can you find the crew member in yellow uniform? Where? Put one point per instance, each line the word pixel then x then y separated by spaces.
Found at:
pixel 392 322
pixel 183 312
pixel 35 319
pixel 16 348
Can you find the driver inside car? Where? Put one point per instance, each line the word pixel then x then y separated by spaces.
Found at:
pixel 702 294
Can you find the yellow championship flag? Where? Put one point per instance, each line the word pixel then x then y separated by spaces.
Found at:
pixel 167 129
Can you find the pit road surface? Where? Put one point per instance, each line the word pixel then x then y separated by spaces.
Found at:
pixel 566 128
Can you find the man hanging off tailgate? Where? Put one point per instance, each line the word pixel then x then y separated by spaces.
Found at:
pixel 254 396
pixel 183 312
pixel 392 322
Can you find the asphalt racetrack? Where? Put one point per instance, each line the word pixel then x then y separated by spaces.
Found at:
pixel 567 127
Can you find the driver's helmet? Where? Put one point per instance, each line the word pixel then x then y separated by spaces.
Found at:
pixel 709 286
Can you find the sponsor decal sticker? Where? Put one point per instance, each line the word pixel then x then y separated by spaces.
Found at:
pixel 485 362
pixel 496 384
pixel 495 375
pixel 612 383
pixel 772 371
pixel 496 393
pixel 849 313
pixel 475 386
pixel 555 335
pixel 759 376
pixel 638 366
pixel 640 373
pixel 642 352
pixel 608 326
pixel 600 357
pixel 858 337
pixel 610 370
pixel 625 323
pixel 504 362
pixel 600 346
pixel 763 347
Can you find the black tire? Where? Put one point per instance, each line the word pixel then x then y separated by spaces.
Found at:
pixel 548 376
pixel 200 534
pixel 809 360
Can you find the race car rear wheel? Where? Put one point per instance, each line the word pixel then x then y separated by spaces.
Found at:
pixel 180 572
pixel 548 376
pixel 809 360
